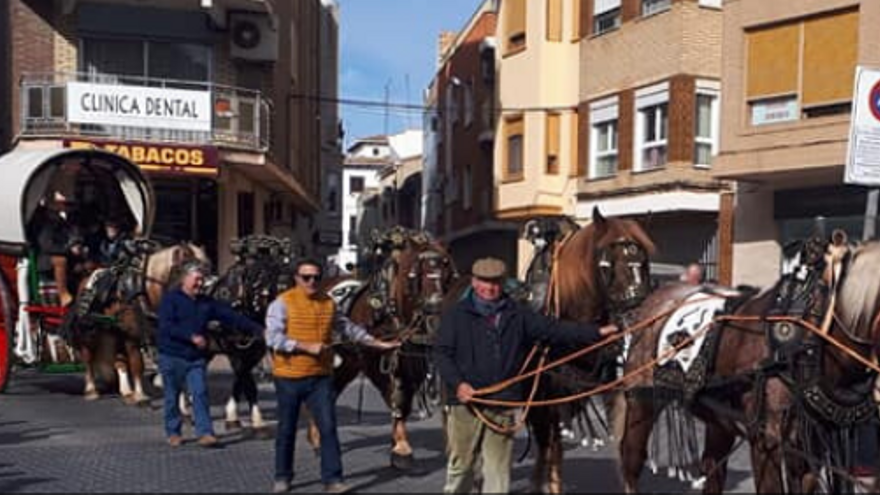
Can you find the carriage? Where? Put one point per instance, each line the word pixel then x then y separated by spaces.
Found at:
pixel 101 185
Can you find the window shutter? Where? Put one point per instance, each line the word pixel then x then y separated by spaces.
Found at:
pixel 773 61
pixel 831 47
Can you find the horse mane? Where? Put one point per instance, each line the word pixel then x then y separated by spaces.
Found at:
pixel 161 263
pixel 577 288
pixel 859 295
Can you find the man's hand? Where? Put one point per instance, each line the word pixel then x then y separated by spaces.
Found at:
pixel 465 393
pixel 199 341
pixel 608 330
pixel 384 346
pixel 312 349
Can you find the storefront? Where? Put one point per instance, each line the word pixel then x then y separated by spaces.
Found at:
pixel 184 179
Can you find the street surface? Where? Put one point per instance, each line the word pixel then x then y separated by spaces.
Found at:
pixel 51 440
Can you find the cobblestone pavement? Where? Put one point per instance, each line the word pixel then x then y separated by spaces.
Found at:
pixel 51 440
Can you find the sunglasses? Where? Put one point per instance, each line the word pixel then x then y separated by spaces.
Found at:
pixel 309 278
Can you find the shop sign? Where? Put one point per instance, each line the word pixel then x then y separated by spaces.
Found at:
pixel 863 155
pixel 138 106
pixel 154 157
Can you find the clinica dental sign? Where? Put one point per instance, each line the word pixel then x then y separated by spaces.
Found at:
pixel 137 106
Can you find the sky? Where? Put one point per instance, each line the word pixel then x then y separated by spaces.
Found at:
pixel 393 43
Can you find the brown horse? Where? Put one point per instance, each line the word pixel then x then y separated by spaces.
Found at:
pixel 598 274
pixel 110 320
pixel 401 301
pixel 796 399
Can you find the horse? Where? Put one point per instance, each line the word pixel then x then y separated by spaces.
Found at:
pixel 772 379
pixel 262 270
pixel 110 316
pixel 595 273
pixel 402 300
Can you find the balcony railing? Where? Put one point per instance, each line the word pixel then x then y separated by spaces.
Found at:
pixel 240 117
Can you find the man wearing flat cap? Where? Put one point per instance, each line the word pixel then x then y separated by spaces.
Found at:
pixel 483 341
pixel 184 314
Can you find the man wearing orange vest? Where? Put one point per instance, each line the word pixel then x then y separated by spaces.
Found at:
pixel 299 329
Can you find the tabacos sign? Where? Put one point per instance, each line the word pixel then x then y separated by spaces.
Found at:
pixel 152 157
pixel 138 106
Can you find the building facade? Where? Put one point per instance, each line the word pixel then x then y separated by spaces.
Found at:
pixel 460 137
pixel 649 118
pixel 215 100
pixel 788 76
pixel 365 159
pixel 327 238
pixel 535 150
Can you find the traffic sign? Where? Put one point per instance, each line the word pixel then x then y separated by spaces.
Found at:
pixel 863 154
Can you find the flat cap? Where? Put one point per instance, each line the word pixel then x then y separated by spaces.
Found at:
pixel 489 268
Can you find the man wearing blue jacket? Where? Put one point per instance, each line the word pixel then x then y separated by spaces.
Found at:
pixel 184 315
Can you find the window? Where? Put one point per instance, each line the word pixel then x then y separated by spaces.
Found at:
pixel 604 139
pixel 108 58
pixel 774 110
pixel 554 20
pixel 514 162
pixel 654 122
pixel 469 104
pixel 651 127
pixel 355 185
pixel 707 122
pixel 606 15
pixel 467 188
pixel 802 69
pixel 515 25
pixel 651 7
pixel 333 193
pixel 553 144
pixel 352 230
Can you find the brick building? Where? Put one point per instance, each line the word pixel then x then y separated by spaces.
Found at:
pixel 215 100
pixel 649 123
pixel 788 76
pixel 460 136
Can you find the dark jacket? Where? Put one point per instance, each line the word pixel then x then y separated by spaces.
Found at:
pixel 181 317
pixel 470 349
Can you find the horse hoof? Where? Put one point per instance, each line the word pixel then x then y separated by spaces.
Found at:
pixel 91 396
pixel 401 462
pixel 233 426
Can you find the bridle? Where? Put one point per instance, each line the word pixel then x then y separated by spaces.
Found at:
pixel 607 261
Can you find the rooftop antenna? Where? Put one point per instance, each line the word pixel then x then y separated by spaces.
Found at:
pixel 387 103
pixel 408 114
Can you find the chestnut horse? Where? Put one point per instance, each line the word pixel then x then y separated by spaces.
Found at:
pixel 412 282
pixel 110 318
pixel 599 274
pixel 797 399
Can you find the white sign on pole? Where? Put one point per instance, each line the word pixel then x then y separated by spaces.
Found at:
pixel 863 155
pixel 138 106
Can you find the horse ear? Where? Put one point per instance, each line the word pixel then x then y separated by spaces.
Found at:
pixel 598 219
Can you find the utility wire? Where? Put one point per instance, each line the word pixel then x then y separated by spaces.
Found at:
pixel 409 107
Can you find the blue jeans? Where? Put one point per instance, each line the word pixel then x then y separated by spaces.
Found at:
pixel 177 372
pixel 318 394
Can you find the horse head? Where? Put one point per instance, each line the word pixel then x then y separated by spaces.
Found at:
pixel 430 272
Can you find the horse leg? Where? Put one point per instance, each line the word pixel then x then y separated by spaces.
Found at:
pixel 91 390
pixel 719 442
pixel 395 396
pixel 136 366
pixel 541 424
pixel 639 422
pixel 767 443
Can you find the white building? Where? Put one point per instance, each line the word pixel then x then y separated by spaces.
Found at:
pixel 360 175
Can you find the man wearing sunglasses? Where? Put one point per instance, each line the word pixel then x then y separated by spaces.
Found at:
pixel 299 329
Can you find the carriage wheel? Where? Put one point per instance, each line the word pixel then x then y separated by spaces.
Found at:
pixel 7 327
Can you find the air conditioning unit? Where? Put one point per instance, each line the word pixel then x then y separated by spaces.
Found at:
pixel 253 37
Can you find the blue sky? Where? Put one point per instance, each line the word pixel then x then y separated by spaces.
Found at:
pixel 387 42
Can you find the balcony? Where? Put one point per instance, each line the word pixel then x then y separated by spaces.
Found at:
pixel 115 107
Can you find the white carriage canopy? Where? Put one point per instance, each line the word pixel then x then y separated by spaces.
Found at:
pixel 102 185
